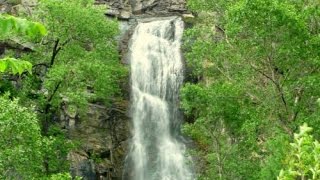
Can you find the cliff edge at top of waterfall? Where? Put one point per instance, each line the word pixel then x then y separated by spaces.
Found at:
pixel 125 9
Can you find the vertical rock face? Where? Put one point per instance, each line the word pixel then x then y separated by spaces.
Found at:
pixel 103 136
pixel 127 8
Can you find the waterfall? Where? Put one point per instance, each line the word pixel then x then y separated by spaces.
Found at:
pixel 156 152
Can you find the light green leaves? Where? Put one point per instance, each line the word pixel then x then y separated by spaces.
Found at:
pixel 23 148
pixel 304 129
pixel 303 160
pixel 15 66
pixel 10 25
pixel 20 141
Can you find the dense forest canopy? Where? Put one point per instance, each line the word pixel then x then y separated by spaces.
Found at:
pixel 251 99
pixel 255 80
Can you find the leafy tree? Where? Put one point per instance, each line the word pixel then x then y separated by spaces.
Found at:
pixel 56 149
pixel 303 159
pixel 75 63
pixel 255 69
pixel 78 61
pixel 21 147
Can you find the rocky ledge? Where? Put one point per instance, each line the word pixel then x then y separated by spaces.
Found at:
pixel 125 9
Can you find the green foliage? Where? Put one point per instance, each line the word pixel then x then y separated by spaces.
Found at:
pixel 80 58
pixel 61 176
pixel 276 149
pixel 20 142
pixel 76 63
pixel 256 64
pixel 216 6
pixel 303 159
pixel 24 150
pixel 14 65
pixel 11 25
pixel 56 149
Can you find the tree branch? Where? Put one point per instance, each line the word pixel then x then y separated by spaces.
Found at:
pixel 277 85
pixel 54 91
pixel 55 52
pixel 56 49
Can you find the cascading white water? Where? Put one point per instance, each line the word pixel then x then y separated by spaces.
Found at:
pixel 156 76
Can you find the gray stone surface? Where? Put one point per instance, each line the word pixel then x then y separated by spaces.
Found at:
pixel 103 137
pixel 125 9
pixel 17 7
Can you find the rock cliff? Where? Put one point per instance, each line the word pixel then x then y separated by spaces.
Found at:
pixel 125 9
pixel 103 137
